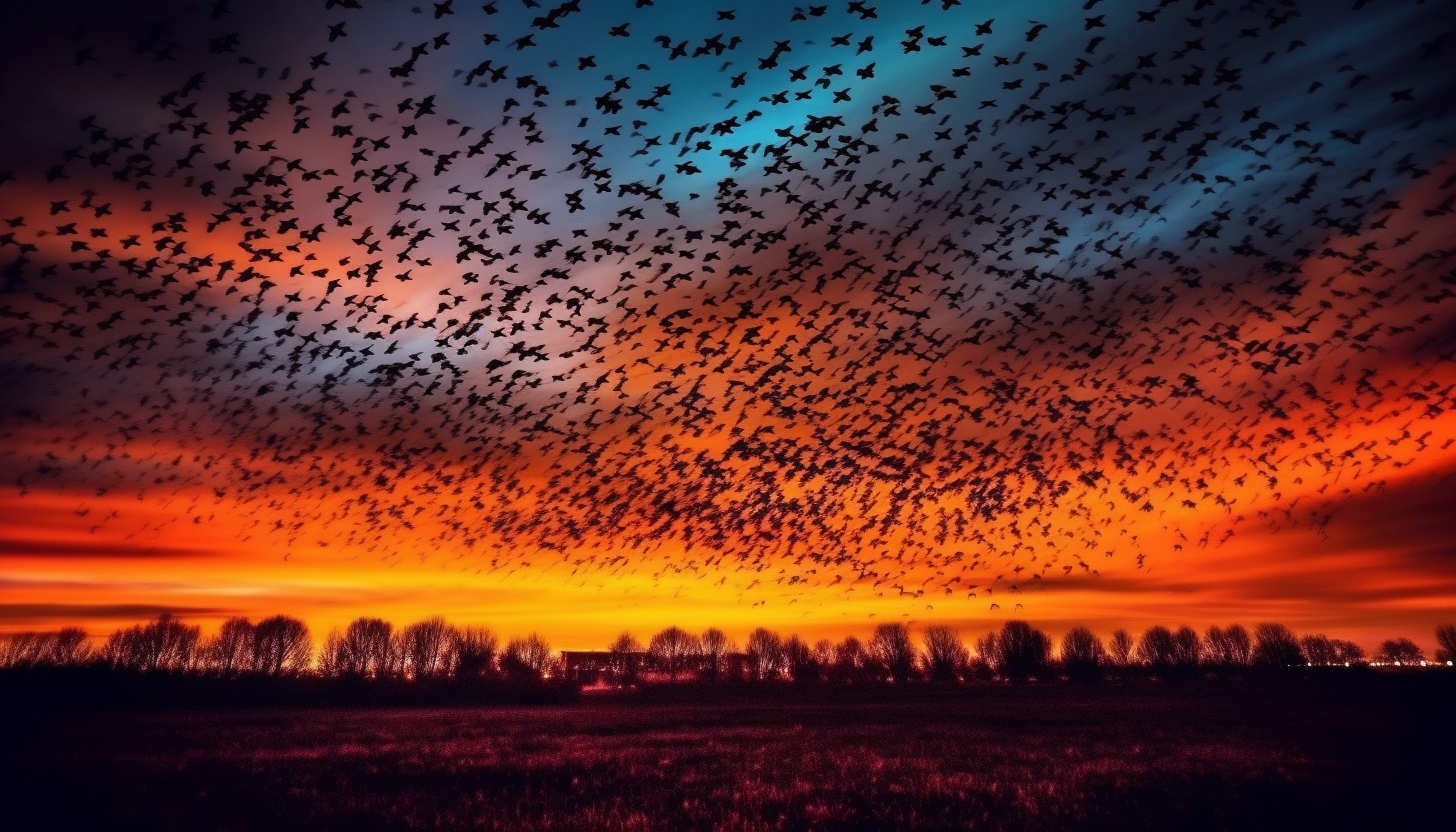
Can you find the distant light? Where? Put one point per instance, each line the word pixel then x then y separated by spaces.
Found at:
pixel 1423 662
pixel 1449 663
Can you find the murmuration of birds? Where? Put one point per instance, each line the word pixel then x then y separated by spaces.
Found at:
pixel 925 300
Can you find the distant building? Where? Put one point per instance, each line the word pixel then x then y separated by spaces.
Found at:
pixel 604 667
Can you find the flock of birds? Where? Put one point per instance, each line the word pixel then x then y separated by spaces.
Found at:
pixel 923 300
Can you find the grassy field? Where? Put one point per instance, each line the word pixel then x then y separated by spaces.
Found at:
pixel 1369 755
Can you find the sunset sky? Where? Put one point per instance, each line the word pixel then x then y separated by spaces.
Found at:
pixel 597 316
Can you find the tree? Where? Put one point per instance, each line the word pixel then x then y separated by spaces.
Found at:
pixel 429 648
pixel 799 660
pixel 765 655
pixel 475 649
pixel 165 644
pixel 1276 647
pixel 281 646
pixel 945 657
pixel 1240 646
pixel 527 658
pixel 1023 651
pixel 1156 648
pixel 891 650
pixel 1120 649
pixel 716 648
pixel 672 649
pixel 1446 641
pixel 1082 654
pixel 1186 649
pixel 365 650
pixel 1401 651
pixel 230 652
pixel 850 660
pixel 66 647
pixel 824 655
pixel 1318 649
pixel 626 652
pixel 1226 649
pixel 1347 652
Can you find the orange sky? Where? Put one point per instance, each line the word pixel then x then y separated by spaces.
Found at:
pixel 1199 395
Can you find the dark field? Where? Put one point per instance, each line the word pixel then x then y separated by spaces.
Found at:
pixel 1371 755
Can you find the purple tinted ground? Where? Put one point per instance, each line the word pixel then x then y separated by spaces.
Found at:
pixel 1233 756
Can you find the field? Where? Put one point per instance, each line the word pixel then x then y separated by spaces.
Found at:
pixel 1373 754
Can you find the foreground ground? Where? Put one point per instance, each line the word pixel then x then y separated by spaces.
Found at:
pixel 1371 754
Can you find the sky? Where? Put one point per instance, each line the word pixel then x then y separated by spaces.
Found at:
pixel 586 317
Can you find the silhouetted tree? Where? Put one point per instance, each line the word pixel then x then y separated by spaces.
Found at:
pixel 1022 651
pixel 1120 649
pixel 1240 646
pixel 281 646
pixel 1082 654
pixel 1446 643
pixel 626 651
pixel 672 650
pixel 429 648
pixel 765 655
pixel 1400 651
pixel 1156 650
pixel 1347 652
pixel 527 658
pixel 366 649
pixel 799 659
pixel 1318 650
pixel 1186 649
pixel 164 644
pixel 230 652
pixel 716 648
pixel 1227 649
pixel 824 655
pixel 475 649
pixel 945 657
pixel 68 647
pixel 851 663
pixel 1276 647
pixel 890 648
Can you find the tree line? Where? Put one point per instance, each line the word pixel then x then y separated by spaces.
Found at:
pixel 372 648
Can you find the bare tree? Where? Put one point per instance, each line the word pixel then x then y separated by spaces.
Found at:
pixel 1082 654
pixel 1276 647
pixel 1318 649
pixel 1446 643
pixel 1022 651
pixel 626 653
pixel 230 652
pixel 366 649
pixel 164 644
pixel 1240 646
pixel 1400 651
pixel 765 655
pixel 1156 649
pixel 281 646
pixel 528 658
pixel 891 650
pixel 824 656
pixel 799 660
pixel 1120 649
pixel 945 657
pixel 430 648
pixel 850 660
pixel 475 649
pixel 1187 647
pixel 716 648
pixel 673 649
pixel 1347 652
pixel 66 647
